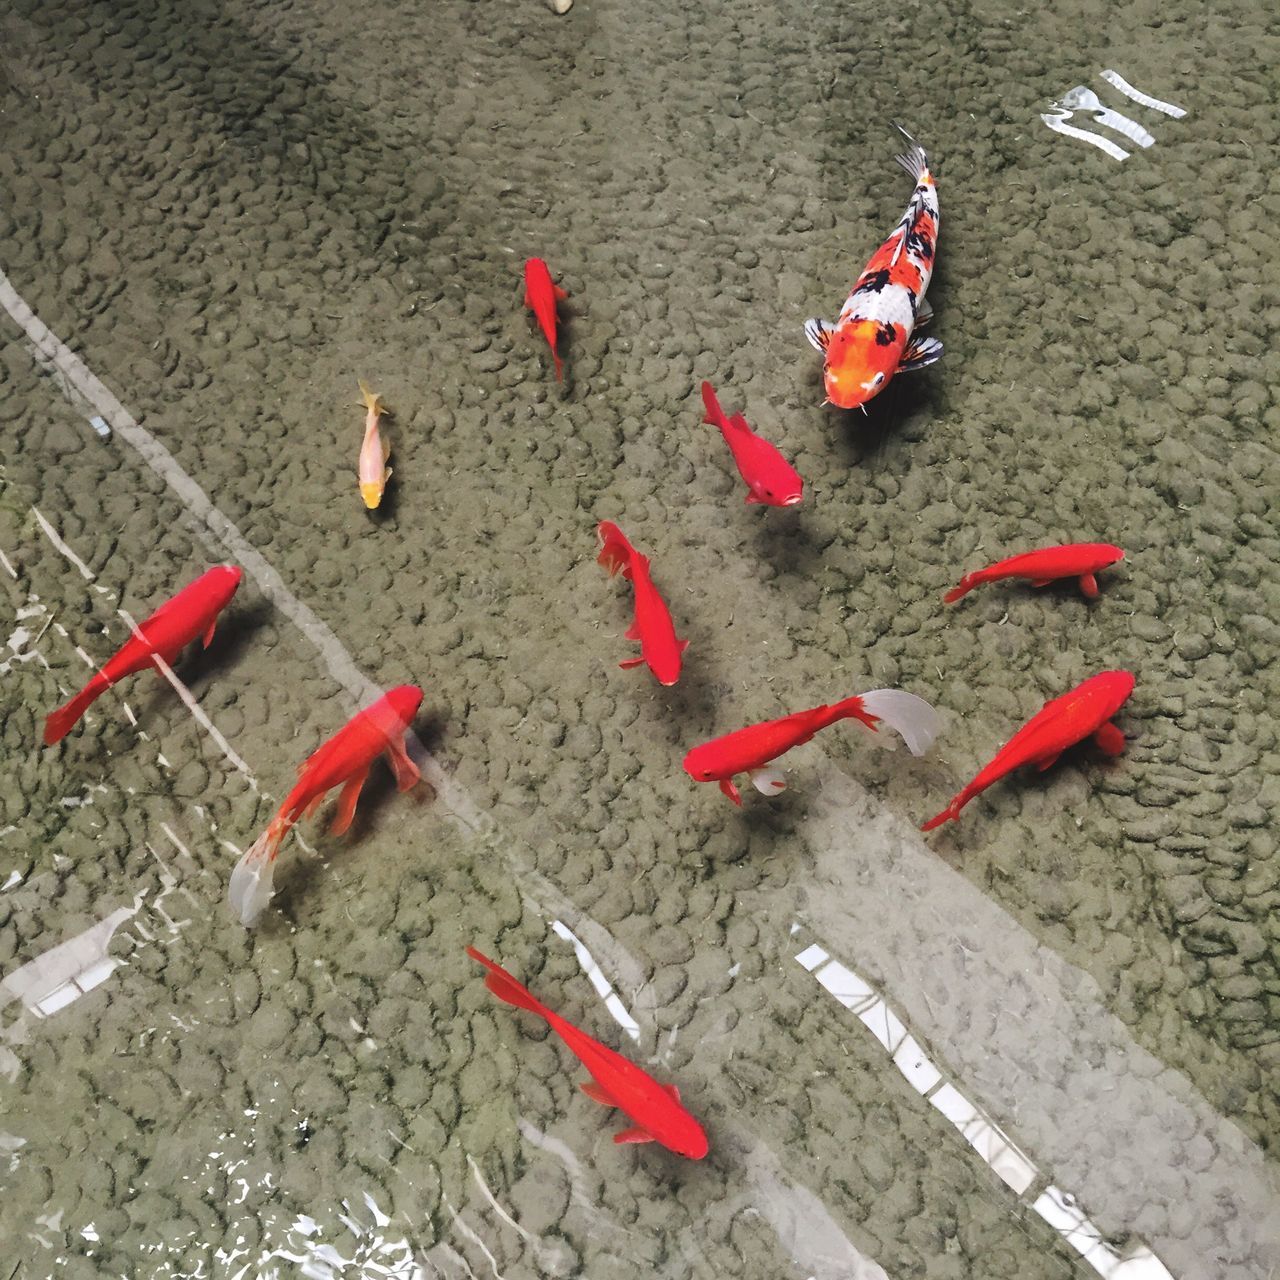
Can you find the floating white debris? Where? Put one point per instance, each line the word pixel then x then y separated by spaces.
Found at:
pixel 101 426
pixel 1115 79
pixel 599 981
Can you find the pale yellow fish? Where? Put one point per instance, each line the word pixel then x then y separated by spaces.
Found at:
pixel 372 470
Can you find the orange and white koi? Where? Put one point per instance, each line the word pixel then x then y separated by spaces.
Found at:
pixel 344 760
pixel 751 750
pixel 655 1110
pixel 771 479
pixel 874 337
pixel 1083 713
pixel 660 647
pixel 372 470
pixel 174 625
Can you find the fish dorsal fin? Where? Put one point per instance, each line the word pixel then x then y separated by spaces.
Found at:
pixel 672 1090
pixel 597 1093
pixel 819 334
pixel 634 1134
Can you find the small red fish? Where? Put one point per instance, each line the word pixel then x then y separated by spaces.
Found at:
pixel 541 295
pixel 652 625
pixel 1085 711
pixel 192 612
pixel 653 1108
pixel 750 750
pixel 344 760
pixel 1074 560
pixel 770 478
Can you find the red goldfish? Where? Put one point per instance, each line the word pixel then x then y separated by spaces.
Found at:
pixel 192 612
pixel 372 472
pixel 541 295
pixel 1085 711
pixel 345 761
pixel 874 336
pixel 1075 560
pixel 750 750
pixel 770 478
pixel 652 625
pixel 653 1108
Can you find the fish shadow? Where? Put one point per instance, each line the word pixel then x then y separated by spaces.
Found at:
pixel 788 543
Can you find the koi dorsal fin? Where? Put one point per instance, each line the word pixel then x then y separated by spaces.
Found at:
pixel 819 334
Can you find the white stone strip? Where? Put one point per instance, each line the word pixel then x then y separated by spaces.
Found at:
pixel 1115 79
pixel 602 985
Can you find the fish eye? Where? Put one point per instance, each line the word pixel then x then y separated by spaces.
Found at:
pixel 878 379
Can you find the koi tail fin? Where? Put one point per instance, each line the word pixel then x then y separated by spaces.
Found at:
pixel 715 414
pixel 915 163
pixel 949 814
pixel 252 878
pixel 615 550
pixel 912 718
pixel 559 364
pixel 60 723
pixel 505 987
pixel 966 584
pixel 373 402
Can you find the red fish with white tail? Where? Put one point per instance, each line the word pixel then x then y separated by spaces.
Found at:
pixel 655 1110
pixel 1084 712
pixel 660 647
pixel 343 761
pixel 770 478
pixel 541 295
pixel 174 625
pixel 1082 560
pixel 751 750
pixel 372 471
pixel 874 336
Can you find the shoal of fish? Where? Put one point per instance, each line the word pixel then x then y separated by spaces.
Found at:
pixel 873 339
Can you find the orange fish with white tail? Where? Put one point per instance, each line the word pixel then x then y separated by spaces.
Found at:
pixel 751 750
pixel 344 761
pixel 174 625
pixel 1080 560
pixel 874 336
pixel 372 471
pixel 655 1110
pixel 1083 713
pixel 660 647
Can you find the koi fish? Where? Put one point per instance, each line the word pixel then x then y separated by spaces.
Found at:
pixel 541 295
pixel 874 337
pixel 750 750
pixel 1075 560
pixel 652 625
pixel 654 1109
pixel 372 470
pixel 192 612
pixel 343 761
pixel 770 478
pixel 1085 711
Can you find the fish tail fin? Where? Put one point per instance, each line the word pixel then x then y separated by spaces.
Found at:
pixel 916 722
pixel 615 550
pixel 252 878
pixel 559 364
pixel 715 414
pixel 372 401
pixel 851 709
pixel 915 163
pixel 949 814
pixel 59 723
pixel 962 588
pixel 505 987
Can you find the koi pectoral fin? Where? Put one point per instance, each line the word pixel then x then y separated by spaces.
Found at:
pixel 1089 586
pixel 819 334
pixel 924 313
pixel 347 804
pixel 1048 762
pixel 920 353
pixel 208 635
pixel 635 1134
pixel 1109 739
pixel 630 663
pixel 407 773
pixel 597 1094
pixel 731 791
